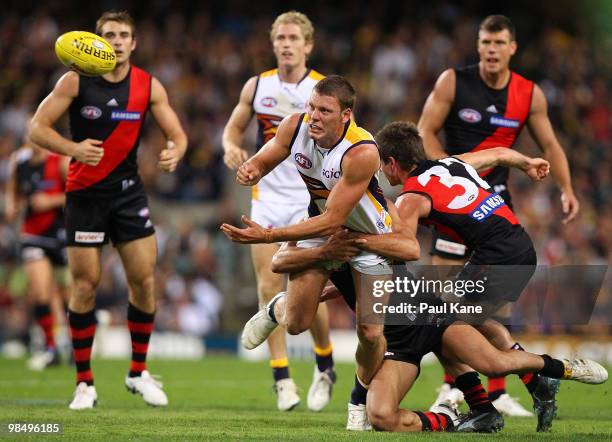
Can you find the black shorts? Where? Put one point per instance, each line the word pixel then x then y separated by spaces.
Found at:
pixel 409 343
pixel 92 222
pixel 343 280
pixel 501 283
pixel 56 255
pixel 446 247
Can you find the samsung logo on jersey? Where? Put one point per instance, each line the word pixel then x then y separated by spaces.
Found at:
pixel 504 122
pixel 329 174
pixel 303 161
pixel 470 115
pixel 487 207
pixel 91 112
pixel 125 116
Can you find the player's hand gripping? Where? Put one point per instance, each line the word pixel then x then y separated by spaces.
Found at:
pixel 169 157
pixel 342 246
pixel 89 152
pixel 234 157
pixel 252 234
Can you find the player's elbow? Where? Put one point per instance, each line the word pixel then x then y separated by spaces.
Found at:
pixel 411 251
pixel 33 131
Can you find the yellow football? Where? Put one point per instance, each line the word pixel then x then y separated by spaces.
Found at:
pixel 87 53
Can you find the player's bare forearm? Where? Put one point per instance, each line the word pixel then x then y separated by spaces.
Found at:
pixel 321 225
pixel 397 246
pixel 559 167
pixel 48 138
pixel 433 147
pixel 293 259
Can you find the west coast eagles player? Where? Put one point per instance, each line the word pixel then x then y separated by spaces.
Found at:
pixel 281 199
pixel 105 198
pixel 338 161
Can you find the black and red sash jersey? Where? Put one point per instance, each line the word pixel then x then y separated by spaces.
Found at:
pixel 464 207
pixel 481 117
pixel 40 177
pixel 113 113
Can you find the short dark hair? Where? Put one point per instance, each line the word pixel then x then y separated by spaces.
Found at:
pixel 497 23
pixel 118 16
pixel 401 140
pixel 339 88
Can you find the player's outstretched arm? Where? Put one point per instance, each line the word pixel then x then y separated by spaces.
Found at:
pixel 41 129
pixel 168 121
pixel 234 130
pixel 401 244
pixel 339 247
pixel 358 167
pixel 542 132
pixel 434 114
pixel 270 155
pixel 536 168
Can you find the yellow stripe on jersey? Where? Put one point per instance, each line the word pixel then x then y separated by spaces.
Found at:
pixel 268 73
pixel 379 208
pixel 316 75
pixel 254 192
pixel 355 134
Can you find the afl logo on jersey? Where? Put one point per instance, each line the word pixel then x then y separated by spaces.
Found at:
pixel 91 112
pixel 268 102
pixel 302 161
pixel 470 115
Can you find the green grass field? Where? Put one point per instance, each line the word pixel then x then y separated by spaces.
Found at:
pixel 225 398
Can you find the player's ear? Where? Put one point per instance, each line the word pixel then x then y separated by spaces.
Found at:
pixel 513 47
pixel 133 43
pixel 346 115
pixel 308 47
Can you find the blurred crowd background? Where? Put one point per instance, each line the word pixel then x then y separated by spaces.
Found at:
pixel 203 52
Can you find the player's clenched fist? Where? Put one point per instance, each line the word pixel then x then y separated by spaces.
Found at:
pixel 248 173
pixel 89 152
pixel 537 168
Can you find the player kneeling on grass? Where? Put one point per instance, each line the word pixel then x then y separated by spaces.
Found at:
pixel 454 341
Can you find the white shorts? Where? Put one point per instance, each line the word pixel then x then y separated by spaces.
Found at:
pixel 270 215
pixel 366 263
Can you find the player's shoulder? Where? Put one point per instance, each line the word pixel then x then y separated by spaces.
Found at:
pixel 516 77
pixel 268 73
pixel 68 83
pixel 315 75
pixel 358 135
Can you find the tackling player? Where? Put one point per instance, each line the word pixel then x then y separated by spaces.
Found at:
pixel 483 106
pixel 280 198
pixel 105 198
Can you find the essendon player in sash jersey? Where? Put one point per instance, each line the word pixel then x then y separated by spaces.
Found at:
pixel 450 193
pixel 105 199
pixel 484 106
pixel 36 184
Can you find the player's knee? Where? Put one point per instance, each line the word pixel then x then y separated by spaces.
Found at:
pixel 143 286
pixel 295 326
pixel 369 333
pixel 382 416
pixel 85 288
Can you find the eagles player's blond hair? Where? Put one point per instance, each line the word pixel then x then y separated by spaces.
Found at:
pixel 294 18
